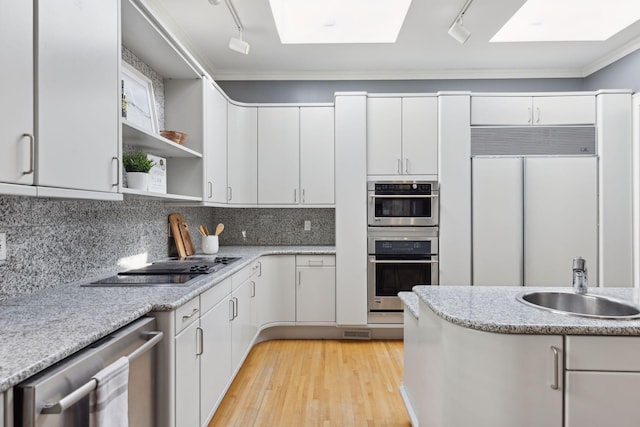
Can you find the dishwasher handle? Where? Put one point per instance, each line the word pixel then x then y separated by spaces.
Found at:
pixel 74 397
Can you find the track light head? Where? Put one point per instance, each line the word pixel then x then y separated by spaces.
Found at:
pixel 239 45
pixel 458 31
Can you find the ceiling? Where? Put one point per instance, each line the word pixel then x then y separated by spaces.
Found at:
pixel 423 50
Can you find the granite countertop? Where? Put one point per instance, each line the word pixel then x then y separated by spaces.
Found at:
pixel 495 309
pixel 410 300
pixel 40 329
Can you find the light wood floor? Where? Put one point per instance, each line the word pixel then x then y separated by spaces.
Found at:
pixel 300 383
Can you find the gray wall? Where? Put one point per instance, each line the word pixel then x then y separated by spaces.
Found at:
pixel 322 91
pixel 51 242
pixel 622 74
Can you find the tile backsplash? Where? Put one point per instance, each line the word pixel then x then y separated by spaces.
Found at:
pixel 51 242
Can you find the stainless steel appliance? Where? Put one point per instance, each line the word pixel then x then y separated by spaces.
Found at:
pixel 167 273
pixel 402 203
pixel 59 396
pixel 399 258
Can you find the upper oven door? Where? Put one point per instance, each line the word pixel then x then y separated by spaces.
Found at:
pixel 409 204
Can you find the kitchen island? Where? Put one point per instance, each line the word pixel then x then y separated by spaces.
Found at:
pixel 489 360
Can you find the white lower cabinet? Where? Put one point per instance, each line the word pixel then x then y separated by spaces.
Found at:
pixel 215 357
pixel 242 329
pixel 475 378
pixel 276 294
pixel 413 373
pixel 602 381
pixel 316 288
pixel 187 367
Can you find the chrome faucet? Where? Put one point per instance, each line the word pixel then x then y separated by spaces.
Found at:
pixel 580 284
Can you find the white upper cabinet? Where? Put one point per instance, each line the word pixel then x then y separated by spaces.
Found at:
pixel 78 99
pixel 402 136
pixel 278 154
pixel 242 155
pixel 420 135
pixel 215 148
pixel 317 155
pixel 384 136
pixel 16 85
pixel 536 110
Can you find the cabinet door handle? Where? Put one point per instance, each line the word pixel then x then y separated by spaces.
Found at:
pixel 32 149
pixel 299 277
pixel 199 341
pixel 295 195
pixel 303 196
pixel 231 310
pixel 530 115
pixel 406 165
pixel 253 289
pixel 117 172
pixel 399 166
pixel 189 316
pixel 229 194
pixel 259 268
pixel 235 307
pixel 538 114
pixel 556 368
pixel 210 185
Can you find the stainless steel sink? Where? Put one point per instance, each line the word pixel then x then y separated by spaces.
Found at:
pixel 586 305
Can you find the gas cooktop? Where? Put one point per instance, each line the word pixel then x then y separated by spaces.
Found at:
pixel 176 272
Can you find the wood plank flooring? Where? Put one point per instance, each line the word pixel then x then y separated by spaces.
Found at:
pixel 300 383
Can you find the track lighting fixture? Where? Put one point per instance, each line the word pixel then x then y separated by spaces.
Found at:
pixel 239 45
pixel 236 43
pixel 457 30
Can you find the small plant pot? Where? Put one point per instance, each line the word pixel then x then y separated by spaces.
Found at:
pixel 138 181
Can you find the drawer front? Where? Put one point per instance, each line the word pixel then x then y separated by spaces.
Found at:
pixel 315 260
pixel 603 353
pixel 253 269
pixel 214 295
pixel 187 314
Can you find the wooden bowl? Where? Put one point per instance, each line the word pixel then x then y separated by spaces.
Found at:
pixel 174 135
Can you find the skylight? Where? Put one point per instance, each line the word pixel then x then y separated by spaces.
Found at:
pixel 569 20
pixel 339 21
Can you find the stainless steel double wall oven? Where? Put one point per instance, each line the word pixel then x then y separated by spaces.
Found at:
pixel 402 243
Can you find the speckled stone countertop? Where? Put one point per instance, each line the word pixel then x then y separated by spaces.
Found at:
pixel 495 309
pixel 410 300
pixel 43 328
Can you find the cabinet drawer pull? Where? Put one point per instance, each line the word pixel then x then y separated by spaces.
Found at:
pixel 199 341
pixel 231 310
pixel 117 160
pixel 32 148
pixel 556 368
pixel 210 185
pixel 253 289
pixel 316 262
pixel 189 316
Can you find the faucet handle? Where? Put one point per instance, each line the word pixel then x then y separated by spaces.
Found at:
pixel 579 263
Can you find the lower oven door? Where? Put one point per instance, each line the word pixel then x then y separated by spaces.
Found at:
pixel 390 274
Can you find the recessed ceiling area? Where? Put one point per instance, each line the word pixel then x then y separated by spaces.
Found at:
pixel 338 21
pixel 423 49
pixel 569 20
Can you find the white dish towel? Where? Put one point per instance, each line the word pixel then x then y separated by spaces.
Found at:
pixel 109 401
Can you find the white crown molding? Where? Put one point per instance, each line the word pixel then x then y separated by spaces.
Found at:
pixel 611 57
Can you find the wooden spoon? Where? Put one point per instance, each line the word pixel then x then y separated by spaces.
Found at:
pixel 219 229
pixel 203 230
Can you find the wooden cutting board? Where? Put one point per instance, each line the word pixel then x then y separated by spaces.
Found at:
pixel 181 235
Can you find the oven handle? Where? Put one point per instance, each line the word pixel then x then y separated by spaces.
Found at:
pixel 403 196
pixel 373 260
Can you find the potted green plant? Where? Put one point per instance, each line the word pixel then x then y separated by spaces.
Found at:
pixel 137 165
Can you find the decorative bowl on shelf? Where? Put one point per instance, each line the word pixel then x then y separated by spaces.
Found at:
pixel 174 135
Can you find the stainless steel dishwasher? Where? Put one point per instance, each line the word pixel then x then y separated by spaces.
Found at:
pixel 59 396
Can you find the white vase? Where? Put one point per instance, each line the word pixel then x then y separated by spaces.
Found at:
pixel 138 180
